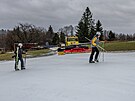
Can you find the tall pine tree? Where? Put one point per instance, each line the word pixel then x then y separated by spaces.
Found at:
pixel 112 36
pixel 56 39
pixel 100 29
pixel 62 37
pixel 50 34
pixel 85 26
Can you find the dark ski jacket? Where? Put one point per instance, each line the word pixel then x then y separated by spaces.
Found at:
pixel 20 52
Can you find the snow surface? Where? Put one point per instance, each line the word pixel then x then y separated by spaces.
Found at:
pixel 70 78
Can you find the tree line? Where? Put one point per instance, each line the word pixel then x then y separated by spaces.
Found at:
pixel 112 36
pixel 28 33
pixel 87 27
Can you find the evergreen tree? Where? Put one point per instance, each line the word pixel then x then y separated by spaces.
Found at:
pixel 111 36
pixel 134 37
pixel 56 39
pixel 80 31
pixel 99 29
pixel 62 37
pixel 85 26
pixel 50 34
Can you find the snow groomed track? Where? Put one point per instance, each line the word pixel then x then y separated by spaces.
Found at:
pixel 70 78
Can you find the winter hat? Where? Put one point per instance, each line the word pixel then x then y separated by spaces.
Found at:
pixel 98 34
pixel 20 44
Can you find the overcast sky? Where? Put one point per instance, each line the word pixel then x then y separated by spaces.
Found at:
pixel 115 15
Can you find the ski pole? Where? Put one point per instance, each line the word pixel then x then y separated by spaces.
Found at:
pixel 103 56
pixel 101 48
pixel 87 38
pixel 25 59
pixel 103 52
pixel 100 55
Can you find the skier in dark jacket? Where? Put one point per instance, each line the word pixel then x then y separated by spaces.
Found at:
pixel 94 44
pixel 18 56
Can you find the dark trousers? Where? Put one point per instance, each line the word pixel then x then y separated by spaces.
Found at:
pixel 94 49
pixel 17 62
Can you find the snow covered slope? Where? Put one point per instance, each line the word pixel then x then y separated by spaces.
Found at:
pixel 70 78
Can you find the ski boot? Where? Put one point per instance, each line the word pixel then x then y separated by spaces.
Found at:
pixel 22 68
pixel 91 61
pixel 96 61
pixel 17 69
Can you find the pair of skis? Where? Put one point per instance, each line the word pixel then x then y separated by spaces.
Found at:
pixel 16 59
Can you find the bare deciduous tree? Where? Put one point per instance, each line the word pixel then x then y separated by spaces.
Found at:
pixel 26 33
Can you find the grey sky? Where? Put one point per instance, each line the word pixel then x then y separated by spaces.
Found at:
pixel 115 15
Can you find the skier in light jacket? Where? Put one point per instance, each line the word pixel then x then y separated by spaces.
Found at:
pixel 94 44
